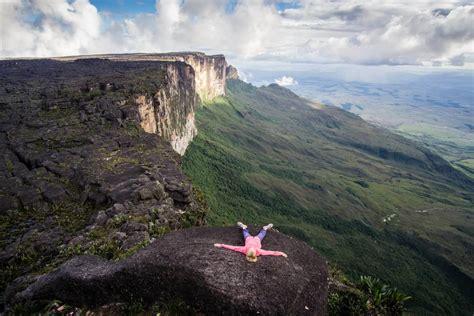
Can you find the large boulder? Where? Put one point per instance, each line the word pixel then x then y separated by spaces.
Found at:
pixel 185 264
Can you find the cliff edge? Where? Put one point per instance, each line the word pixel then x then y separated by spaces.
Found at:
pixel 185 264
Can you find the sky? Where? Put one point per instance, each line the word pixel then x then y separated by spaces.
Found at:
pixel 370 32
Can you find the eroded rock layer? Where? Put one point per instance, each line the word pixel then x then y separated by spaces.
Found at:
pixel 170 110
pixel 210 72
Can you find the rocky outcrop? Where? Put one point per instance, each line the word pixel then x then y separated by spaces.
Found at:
pixel 232 72
pixel 185 264
pixel 210 71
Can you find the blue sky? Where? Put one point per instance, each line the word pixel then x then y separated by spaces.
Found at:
pixel 125 7
pixel 131 7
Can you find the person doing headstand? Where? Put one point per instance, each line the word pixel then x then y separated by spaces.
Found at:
pixel 253 244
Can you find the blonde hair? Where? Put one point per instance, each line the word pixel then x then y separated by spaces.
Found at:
pixel 251 255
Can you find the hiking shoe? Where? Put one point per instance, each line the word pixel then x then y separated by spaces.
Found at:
pixel 267 227
pixel 241 225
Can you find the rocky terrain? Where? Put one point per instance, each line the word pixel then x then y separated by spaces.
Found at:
pixel 78 173
pixel 185 264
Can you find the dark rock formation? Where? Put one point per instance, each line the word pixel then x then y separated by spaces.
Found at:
pixel 185 264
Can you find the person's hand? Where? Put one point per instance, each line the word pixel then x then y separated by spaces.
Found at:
pixel 218 245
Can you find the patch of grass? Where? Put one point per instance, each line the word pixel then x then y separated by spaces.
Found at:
pixel 69 216
pixel 9 165
pixel 111 162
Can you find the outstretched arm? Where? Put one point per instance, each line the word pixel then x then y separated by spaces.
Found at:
pixel 233 248
pixel 272 253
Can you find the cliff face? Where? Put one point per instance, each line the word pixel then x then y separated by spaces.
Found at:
pixel 169 112
pixel 232 72
pixel 189 77
pixel 210 72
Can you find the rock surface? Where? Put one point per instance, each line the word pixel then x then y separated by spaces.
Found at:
pixel 232 72
pixel 185 264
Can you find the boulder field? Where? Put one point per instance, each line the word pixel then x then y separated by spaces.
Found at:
pixel 185 264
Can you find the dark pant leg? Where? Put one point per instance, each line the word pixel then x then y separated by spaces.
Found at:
pixel 246 233
pixel 262 234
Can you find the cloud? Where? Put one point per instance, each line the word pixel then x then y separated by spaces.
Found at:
pixel 46 28
pixel 316 31
pixel 286 81
pixel 245 76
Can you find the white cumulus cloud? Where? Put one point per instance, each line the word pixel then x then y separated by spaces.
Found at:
pixel 48 28
pixel 286 81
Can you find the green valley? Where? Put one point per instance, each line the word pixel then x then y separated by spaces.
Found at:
pixel 372 202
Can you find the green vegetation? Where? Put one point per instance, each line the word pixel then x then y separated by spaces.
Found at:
pixel 446 134
pixel 330 179
pixel 31 255
pixel 367 296
pixel 454 145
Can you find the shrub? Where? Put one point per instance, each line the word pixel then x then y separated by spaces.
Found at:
pixel 369 296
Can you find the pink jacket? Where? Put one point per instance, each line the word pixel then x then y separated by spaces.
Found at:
pixel 253 242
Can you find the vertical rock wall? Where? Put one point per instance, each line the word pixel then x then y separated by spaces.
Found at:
pixel 210 74
pixel 210 71
pixel 170 111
